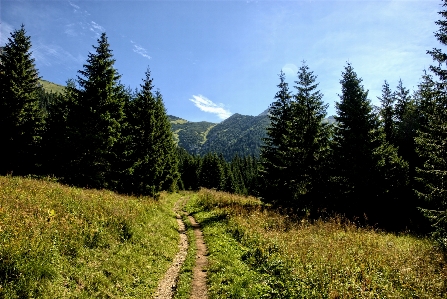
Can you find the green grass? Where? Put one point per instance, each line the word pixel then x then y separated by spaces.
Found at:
pixel 62 242
pixel 256 252
pixel 52 87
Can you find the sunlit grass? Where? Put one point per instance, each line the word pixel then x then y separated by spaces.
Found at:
pixel 256 252
pixel 60 242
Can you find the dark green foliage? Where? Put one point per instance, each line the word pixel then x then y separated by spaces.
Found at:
pixel 211 172
pixel 152 150
pixel 309 141
pixel 387 112
pixel 297 145
pixel 189 166
pixel 95 120
pixel 21 114
pixel 355 139
pixel 237 135
pixel 431 139
pixel 273 168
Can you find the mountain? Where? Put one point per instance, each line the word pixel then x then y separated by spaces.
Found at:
pixel 190 135
pixel 238 134
pixel 51 87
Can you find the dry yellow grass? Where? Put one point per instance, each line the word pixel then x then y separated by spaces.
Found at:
pixel 324 259
pixel 58 242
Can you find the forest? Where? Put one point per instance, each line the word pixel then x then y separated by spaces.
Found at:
pixel 382 166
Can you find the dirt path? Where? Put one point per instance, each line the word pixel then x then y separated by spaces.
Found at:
pixel 168 284
pixel 199 288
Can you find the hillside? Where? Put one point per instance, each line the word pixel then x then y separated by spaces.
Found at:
pixel 239 134
pixel 62 242
pixel 51 87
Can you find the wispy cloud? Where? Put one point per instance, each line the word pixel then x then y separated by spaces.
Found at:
pixel 5 33
pixel 53 54
pixel 74 6
pixel 140 50
pixel 96 28
pixel 209 106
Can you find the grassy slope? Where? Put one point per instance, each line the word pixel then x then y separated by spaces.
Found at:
pixel 257 253
pixel 52 87
pixel 60 242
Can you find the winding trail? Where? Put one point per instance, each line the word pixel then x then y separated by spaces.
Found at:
pixel 199 288
pixel 167 286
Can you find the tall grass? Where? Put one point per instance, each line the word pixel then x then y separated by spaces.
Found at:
pixel 256 252
pixel 60 242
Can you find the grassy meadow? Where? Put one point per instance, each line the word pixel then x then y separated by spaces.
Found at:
pixel 63 242
pixel 258 253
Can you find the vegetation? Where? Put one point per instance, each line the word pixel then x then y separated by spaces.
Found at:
pixel 60 242
pixel 21 119
pixel 256 252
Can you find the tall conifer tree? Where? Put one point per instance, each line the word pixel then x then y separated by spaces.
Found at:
pixel 153 154
pixel 21 116
pixel 431 140
pixel 309 140
pixel 355 139
pixel 273 162
pixel 95 120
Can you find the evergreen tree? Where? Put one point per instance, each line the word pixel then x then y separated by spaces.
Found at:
pixel 308 140
pixel 387 113
pixel 153 153
pixel 431 140
pixel 21 116
pixel 273 163
pixel 95 120
pixel 211 173
pixel 355 139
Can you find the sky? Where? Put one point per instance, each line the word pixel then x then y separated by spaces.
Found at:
pixel 211 59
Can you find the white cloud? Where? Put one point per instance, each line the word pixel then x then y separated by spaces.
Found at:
pixel 290 70
pixel 140 50
pixel 74 6
pixel 5 33
pixel 96 28
pixel 207 105
pixel 53 54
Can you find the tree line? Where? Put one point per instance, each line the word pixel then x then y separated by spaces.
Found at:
pixel 98 134
pixel 385 165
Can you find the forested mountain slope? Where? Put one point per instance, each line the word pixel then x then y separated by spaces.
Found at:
pixel 239 134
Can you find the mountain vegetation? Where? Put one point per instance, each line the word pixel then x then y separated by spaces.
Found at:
pixel 382 166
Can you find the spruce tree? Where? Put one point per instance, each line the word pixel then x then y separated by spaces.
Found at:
pixel 21 116
pixel 153 153
pixel 95 120
pixel 355 138
pixel 273 162
pixel 387 113
pixel 308 140
pixel 431 140
pixel 211 173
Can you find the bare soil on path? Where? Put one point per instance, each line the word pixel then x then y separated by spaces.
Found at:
pixel 199 288
pixel 167 286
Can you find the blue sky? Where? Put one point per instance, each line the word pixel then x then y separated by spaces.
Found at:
pixel 211 59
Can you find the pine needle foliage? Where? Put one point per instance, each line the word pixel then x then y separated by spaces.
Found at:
pixel 95 119
pixel 153 152
pixel 21 116
pixel 432 140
